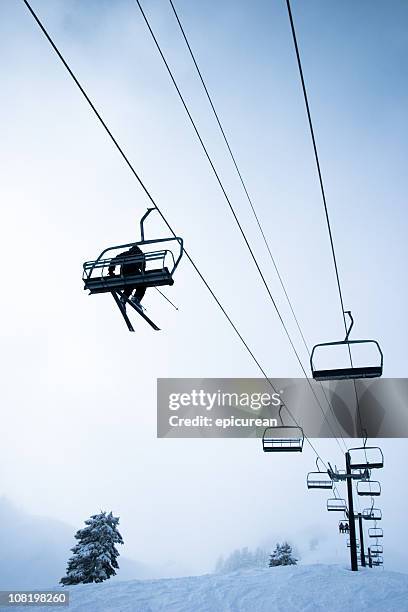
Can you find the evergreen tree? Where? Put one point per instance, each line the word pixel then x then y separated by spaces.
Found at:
pixel 242 559
pixel 95 555
pixel 282 555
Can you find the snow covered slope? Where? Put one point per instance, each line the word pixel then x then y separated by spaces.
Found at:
pixel 313 588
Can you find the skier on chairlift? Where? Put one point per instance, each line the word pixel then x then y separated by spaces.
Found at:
pixel 341 528
pixel 128 269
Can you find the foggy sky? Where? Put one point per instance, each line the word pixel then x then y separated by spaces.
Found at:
pixel 78 394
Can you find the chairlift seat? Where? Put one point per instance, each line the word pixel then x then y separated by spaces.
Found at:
pixel 348 373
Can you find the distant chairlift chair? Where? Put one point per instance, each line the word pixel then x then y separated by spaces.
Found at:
pixel 372 514
pixel 376 561
pixel 121 273
pixel 319 480
pixel 336 504
pixel 370 488
pixel 283 438
pixel 375 532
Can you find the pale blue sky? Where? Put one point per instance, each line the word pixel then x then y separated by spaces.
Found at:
pixel 79 390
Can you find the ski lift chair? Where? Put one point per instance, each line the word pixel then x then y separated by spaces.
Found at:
pixel 283 438
pixel 120 273
pixel 376 549
pixel 369 488
pixel 334 504
pixel 351 372
pixel 366 457
pixel 377 561
pixel 375 532
pixel 372 514
pixel 319 480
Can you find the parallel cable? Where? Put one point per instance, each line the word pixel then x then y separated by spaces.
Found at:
pixel 234 161
pixel 249 198
pixel 166 298
pixel 326 211
pixel 232 209
pixel 146 191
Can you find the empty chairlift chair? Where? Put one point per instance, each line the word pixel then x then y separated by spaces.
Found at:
pixel 336 504
pixel 283 438
pixel 376 549
pixel 322 351
pixel 376 561
pixel 366 457
pixel 370 488
pixel 372 514
pixel 375 532
pixel 319 480
pixel 141 266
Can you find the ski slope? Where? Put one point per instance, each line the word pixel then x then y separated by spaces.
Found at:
pixel 314 588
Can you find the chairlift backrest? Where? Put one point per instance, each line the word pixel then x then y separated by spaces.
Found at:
pixel 376 549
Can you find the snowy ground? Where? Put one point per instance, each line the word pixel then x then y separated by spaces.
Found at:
pixel 314 588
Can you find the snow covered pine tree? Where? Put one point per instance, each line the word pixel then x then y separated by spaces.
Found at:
pixel 282 555
pixel 94 558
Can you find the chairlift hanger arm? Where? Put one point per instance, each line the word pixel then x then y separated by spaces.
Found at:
pixel 351 324
pixel 142 235
pixel 142 220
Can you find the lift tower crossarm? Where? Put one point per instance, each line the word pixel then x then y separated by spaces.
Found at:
pixel 337 476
